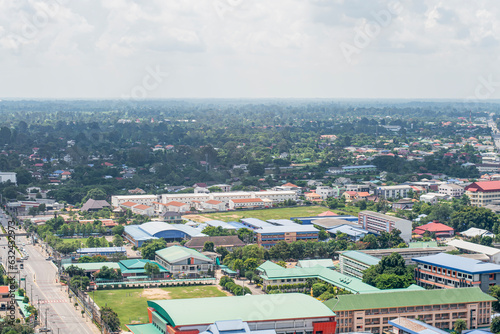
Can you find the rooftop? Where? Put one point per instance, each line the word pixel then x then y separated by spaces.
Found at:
pixel 413 326
pixel 406 298
pixel 433 227
pixel 469 246
pixel 286 229
pixel 361 257
pixel 184 312
pixel 459 263
pixel 178 253
pixel 93 265
pixel 327 263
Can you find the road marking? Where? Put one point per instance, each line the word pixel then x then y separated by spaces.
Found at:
pixel 50 301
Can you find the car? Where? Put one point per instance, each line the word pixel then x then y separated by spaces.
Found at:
pixel 44 330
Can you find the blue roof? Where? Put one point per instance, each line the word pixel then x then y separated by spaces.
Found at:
pixel 153 230
pixel 101 250
pixel 287 229
pixel 237 225
pixel 137 233
pixel 459 263
pixel 349 230
pixel 282 222
pixel 255 223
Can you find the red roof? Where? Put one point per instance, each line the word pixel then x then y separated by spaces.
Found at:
pixel 364 194
pixel 433 227
pixel 484 186
pixel 327 213
pixel 130 204
pixel 212 201
pixel 290 185
pixel 351 193
pixel 141 207
pixel 246 200
pixel 175 203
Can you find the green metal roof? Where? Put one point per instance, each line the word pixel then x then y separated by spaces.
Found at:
pixel 183 312
pixel 352 284
pixel 93 265
pixel 327 263
pixel 361 257
pixel 176 253
pixel 136 266
pixel 144 329
pixel 269 265
pixel 405 298
pixel 227 270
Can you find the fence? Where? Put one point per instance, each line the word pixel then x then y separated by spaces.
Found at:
pixel 157 283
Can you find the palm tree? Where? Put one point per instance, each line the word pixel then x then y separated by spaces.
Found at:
pixel 460 325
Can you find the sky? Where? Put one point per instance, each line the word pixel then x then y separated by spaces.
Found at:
pixel 249 49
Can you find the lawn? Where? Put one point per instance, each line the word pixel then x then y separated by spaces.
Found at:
pixel 280 213
pixel 83 240
pixel 131 304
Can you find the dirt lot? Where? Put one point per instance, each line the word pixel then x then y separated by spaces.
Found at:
pixel 155 294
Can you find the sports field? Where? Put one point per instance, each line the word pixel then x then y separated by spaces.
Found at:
pixel 265 214
pixel 131 304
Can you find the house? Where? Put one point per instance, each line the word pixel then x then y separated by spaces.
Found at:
pixel 65 175
pixel 436 228
pixel 95 205
pixel 184 262
pixel 214 205
pixel 350 195
pixel 325 191
pixel 134 269
pixel 403 204
pixel 144 210
pixel 177 206
pixel 171 217
pixel 229 242
pixel 313 197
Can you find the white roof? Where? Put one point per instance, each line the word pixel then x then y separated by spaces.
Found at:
pixel 285 229
pixel 474 231
pixel 490 251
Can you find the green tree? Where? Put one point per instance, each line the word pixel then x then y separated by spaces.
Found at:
pixel 96 194
pixel 318 289
pixel 222 251
pixel 460 325
pixel 118 230
pixel 280 251
pixel 117 240
pixel 208 246
pixel 151 269
pixel 151 246
pixel 110 318
pixel 91 242
pixel 494 291
pixel 495 325
pixel 256 169
pixel 323 235
pixel 245 235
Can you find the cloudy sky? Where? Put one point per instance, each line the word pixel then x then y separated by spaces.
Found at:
pixel 249 48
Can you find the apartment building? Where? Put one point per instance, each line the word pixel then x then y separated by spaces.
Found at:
pixel 407 253
pixel 371 312
pixel 377 222
pixel 447 271
pixel 353 263
pixel 451 189
pixel 117 201
pixel 483 193
pixel 400 191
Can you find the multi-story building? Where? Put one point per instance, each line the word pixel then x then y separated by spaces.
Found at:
pixel 181 261
pixel 269 236
pixel 117 201
pixel 439 308
pixel 447 271
pixel 377 222
pixel 400 191
pixel 325 191
pixel 407 253
pixel 492 254
pixel 268 314
pixel 451 189
pixel 353 263
pixel 483 193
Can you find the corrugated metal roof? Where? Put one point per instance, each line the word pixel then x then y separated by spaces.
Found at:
pixel 175 253
pixel 182 312
pixel 405 298
pixel 469 246
pixel 361 257
pixel 459 263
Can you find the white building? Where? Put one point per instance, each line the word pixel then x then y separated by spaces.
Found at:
pixel 325 191
pixel 149 200
pixel 433 198
pixel 8 176
pixel 400 191
pixel 453 190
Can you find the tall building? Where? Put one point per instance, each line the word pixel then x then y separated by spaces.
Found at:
pixel 483 193
pixel 353 263
pixel 377 222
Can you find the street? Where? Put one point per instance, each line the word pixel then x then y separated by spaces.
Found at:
pixel 48 296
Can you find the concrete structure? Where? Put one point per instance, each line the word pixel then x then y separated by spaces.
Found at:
pixel 116 201
pixel 451 189
pixel 407 253
pixel 8 176
pixel 134 269
pixel 354 233
pixel 483 193
pixel 261 312
pixel 440 308
pixel 177 206
pixel 105 251
pixel 271 235
pixel 400 191
pixel 474 232
pixel 470 247
pixel 439 229
pixel 377 222
pixel 327 263
pixel 181 261
pixel 359 169
pixel 433 198
pixel 325 191
pixel 353 263
pixel 137 234
pixel 447 271
pixel 247 203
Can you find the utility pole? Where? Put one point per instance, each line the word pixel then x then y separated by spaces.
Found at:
pixel 46 317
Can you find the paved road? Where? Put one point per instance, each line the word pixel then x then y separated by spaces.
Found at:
pixel 41 286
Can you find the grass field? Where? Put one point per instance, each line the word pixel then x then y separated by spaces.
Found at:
pixel 131 304
pixel 83 240
pixel 280 213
